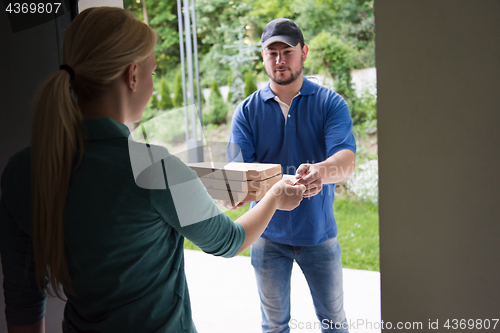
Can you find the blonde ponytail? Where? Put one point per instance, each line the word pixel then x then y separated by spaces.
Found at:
pixel 57 135
pixel 98 45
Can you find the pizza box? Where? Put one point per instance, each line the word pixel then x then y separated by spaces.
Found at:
pixel 237 182
pixel 236 171
pixel 230 194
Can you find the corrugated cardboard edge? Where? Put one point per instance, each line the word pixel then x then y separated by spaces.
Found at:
pixel 236 171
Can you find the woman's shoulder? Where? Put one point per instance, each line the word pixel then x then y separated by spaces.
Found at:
pixel 19 166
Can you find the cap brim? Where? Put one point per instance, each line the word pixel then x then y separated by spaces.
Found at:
pixel 283 39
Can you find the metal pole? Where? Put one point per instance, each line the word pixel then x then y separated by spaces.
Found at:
pixel 181 46
pixel 189 57
pixel 195 41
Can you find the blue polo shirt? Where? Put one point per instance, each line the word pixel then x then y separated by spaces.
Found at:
pixel 318 125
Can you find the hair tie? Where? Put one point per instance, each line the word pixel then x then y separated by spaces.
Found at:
pixel 68 69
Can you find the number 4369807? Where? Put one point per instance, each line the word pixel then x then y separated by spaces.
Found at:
pixel 471 324
pixel 39 8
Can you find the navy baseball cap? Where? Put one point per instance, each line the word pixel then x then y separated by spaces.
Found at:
pixel 281 30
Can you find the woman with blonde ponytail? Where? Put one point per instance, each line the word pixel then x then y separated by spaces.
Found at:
pixel 71 213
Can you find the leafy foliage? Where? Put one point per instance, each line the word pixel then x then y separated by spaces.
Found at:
pixel 365 181
pixel 242 53
pixel 167 128
pixel 214 88
pixel 250 86
pixel 363 110
pixel 153 102
pixel 337 57
pixel 264 11
pixel 230 84
pixel 220 23
pixel 178 94
pixel 217 109
pixel 149 112
pixel 162 16
pixel 202 98
pixel 166 101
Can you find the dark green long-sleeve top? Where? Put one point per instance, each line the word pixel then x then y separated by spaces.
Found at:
pixel 124 242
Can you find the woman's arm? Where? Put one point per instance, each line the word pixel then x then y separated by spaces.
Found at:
pixel 38 327
pixel 24 301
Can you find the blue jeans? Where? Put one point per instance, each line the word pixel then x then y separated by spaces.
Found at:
pixel 322 267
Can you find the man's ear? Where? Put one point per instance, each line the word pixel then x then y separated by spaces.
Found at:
pixel 305 50
pixel 131 76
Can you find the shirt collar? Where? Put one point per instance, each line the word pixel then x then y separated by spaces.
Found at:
pixel 105 128
pixel 308 88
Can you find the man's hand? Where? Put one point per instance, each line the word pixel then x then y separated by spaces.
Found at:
pixel 310 176
pixel 332 170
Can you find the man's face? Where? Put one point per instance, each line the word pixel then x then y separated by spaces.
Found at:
pixel 284 63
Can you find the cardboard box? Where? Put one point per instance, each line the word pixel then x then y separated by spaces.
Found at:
pixel 237 182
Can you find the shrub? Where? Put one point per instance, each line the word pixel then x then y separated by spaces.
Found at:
pixel 365 181
pixel 167 128
pixel 337 57
pixel 214 88
pixel 230 85
pixel 153 102
pixel 166 101
pixel 250 86
pixel 217 109
pixel 202 98
pixel 148 113
pixel 178 95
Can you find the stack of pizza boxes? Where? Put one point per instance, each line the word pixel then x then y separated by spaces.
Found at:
pixel 237 182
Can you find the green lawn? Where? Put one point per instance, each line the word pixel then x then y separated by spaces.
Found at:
pixel 358 233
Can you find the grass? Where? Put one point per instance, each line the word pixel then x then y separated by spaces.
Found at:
pixel 357 222
pixel 358 232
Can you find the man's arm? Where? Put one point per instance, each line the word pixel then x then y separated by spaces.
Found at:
pixel 332 170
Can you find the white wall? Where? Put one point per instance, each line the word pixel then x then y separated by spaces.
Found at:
pixel 438 70
pixel 84 4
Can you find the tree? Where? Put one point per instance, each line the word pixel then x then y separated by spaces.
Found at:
pixel 250 86
pixel 337 57
pixel 178 94
pixel 202 98
pixel 162 17
pixel 153 102
pixel 220 23
pixel 264 11
pixel 230 85
pixel 240 55
pixel 166 101
pixel 351 20
pixel 214 88
pixel 217 109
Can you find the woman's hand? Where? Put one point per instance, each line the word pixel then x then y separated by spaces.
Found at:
pixel 286 195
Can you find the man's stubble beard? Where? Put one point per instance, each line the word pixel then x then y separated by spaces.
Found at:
pixel 292 78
